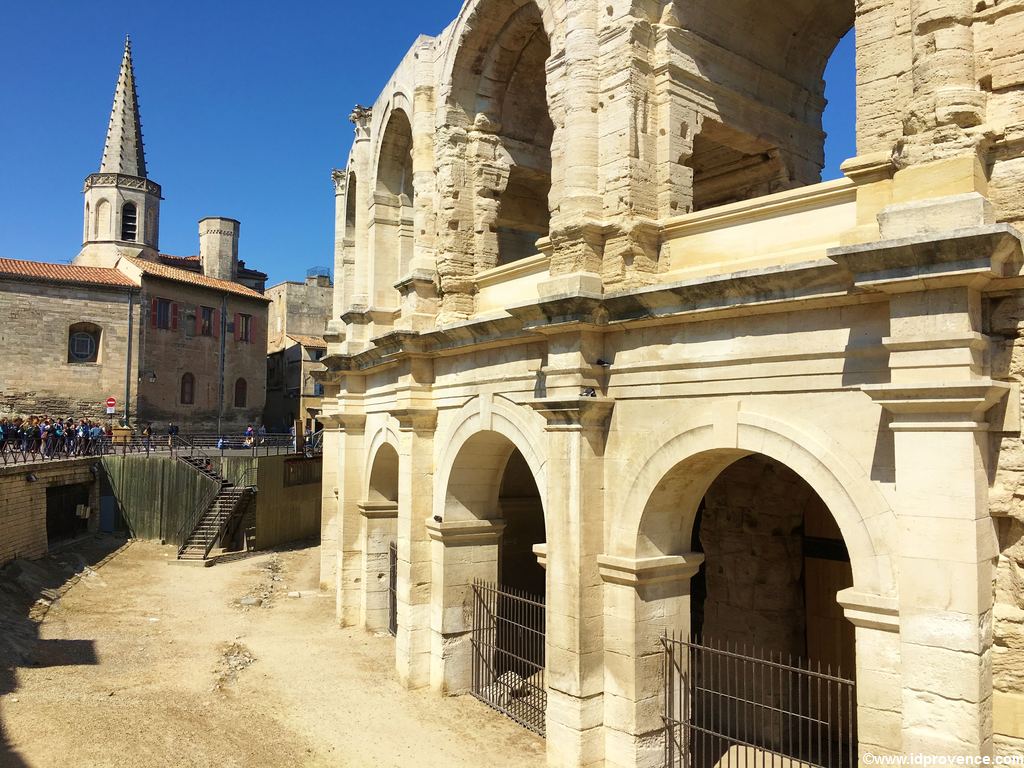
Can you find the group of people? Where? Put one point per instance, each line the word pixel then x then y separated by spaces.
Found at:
pixel 49 437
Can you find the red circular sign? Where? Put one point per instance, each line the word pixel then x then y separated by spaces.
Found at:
pixel 111 402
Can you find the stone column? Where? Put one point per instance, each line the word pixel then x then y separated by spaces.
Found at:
pixel 574 512
pixel 643 600
pixel 329 506
pixel 879 698
pixel 415 505
pixel 350 493
pixel 462 552
pixel 378 531
pixel 340 179
pixel 362 163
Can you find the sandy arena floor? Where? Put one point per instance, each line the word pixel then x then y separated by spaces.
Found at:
pixel 145 664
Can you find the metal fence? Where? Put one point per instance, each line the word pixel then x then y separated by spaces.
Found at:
pixel 508 653
pixel 18 449
pixel 728 706
pixel 392 591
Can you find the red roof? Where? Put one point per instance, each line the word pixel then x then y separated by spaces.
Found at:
pixel 29 271
pixel 194 278
pixel 313 342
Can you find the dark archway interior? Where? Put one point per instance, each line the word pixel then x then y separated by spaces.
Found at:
pixel 384 475
pixel 520 505
pixel 774 561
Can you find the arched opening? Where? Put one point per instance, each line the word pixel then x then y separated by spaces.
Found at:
pixel 129 222
pixel 84 343
pixel 392 216
pixel 774 560
pixel 241 393
pixel 188 389
pixel 767 134
pixel 88 222
pixel 101 222
pixel 503 95
pixel 380 548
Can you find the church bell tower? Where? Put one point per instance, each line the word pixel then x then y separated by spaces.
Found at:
pixel 122 206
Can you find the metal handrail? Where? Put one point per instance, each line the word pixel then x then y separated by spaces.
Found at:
pixel 186 529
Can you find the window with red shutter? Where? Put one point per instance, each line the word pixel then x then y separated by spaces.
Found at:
pixel 154 312
pixel 252 329
pixel 199 321
pixel 238 326
pixel 174 316
pixel 216 323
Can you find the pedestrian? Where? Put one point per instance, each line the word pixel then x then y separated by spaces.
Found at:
pixel 147 437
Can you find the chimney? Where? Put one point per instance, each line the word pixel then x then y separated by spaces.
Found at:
pixel 218 247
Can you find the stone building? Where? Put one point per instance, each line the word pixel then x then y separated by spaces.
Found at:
pixel 617 322
pixel 171 338
pixel 299 313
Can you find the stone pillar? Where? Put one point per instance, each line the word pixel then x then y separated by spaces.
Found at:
pixel 362 162
pixel 879 685
pixel 462 552
pixel 415 504
pixel 574 511
pixel 350 493
pixel 643 600
pixel 329 506
pixel 378 531
pixel 340 179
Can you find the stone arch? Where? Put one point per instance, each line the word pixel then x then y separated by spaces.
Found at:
pixel 101 223
pixel 381 471
pixel 660 515
pixel 492 431
pixel 393 198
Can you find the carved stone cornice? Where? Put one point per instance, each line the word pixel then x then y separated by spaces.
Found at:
pixel 638 572
pixel 466 532
pixel 574 413
pixel 942 407
pixel 378 510
pixel 345 421
pixel 362 118
pixel 123 181
pixel 870 611
pixel 970 257
pixel 420 420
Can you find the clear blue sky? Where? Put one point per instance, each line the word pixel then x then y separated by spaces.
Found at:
pixel 244 110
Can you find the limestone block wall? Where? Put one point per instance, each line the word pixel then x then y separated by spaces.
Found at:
pixel 1005 323
pixel 23 504
pixel 170 353
pixel 37 377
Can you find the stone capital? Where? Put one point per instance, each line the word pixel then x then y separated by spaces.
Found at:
pixel 941 407
pixel 574 413
pixel 870 611
pixel 415 419
pixel 342 421
pixel 463 533
pixel 636 572
pixel 378 510
pixel 339 177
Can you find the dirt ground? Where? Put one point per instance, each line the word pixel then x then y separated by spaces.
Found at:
pixel 144 664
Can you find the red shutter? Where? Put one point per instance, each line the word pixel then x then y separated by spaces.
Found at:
pixel 238 326
pixel 154 308
pixel 252 329
pixel 199 320
pixel 216 323
pixel 174 316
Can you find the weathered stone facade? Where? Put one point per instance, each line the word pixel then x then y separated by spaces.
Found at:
pixel 631 281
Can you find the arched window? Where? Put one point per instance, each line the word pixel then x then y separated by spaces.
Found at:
pixel 240 393
pixel 83 343
pixel 101 222
pixel 188 389
pixel 129 222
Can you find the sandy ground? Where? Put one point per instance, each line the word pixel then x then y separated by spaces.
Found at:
pixel 145 664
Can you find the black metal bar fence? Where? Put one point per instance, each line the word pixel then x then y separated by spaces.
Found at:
pixel 508 653
pixel 18 449
pixel 731 706
pixel 392 592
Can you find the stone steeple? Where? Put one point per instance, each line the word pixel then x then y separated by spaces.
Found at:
pixel 123 152
pixel 122 204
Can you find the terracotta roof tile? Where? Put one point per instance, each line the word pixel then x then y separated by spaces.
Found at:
pixel 314 342
pixel 194 278
pixel 15 269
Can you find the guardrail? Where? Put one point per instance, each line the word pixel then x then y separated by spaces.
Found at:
pixel 19 450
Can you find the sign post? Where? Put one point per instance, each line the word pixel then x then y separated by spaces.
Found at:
pixel 111 405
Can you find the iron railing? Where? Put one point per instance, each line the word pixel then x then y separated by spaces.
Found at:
pixel 508 653
pixel 190 523
pixel 729 706
pixel 392 589
pixel 20 450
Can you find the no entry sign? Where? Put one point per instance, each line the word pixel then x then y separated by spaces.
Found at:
pixel 111 404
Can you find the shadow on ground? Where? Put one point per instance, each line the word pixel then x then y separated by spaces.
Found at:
pixel 27 590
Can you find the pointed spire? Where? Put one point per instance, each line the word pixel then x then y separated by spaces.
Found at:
pixel 123 152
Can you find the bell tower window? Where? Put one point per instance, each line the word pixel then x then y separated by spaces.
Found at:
pixel 129 222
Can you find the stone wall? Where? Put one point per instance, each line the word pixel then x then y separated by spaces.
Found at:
pixel 34 327
pixel 171 353
pixel 23 504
